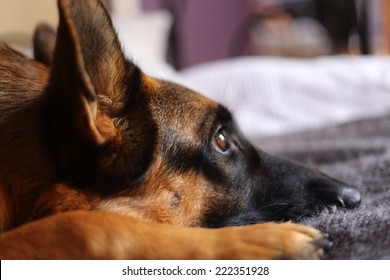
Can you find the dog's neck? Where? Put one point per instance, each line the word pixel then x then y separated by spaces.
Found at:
pixel 21 125
pixel 18 193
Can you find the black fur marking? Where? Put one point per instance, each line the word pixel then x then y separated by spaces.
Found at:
pixel 132 80
pixel 176 200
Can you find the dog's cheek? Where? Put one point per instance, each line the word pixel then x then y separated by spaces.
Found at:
pixel 181 198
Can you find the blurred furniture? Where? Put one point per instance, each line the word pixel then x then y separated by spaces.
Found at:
pixel 312 27
pixel 386 18
pixel 206 30
pixel 203 30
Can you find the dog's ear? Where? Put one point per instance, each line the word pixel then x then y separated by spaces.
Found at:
pixel 98 121
pixel 88 62
pixel 44 43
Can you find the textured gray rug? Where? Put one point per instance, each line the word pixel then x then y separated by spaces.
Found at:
pixel 357 153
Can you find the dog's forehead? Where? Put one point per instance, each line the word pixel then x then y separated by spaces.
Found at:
pixel 171 102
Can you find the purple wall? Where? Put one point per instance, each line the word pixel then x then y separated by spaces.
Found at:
pixel 206 30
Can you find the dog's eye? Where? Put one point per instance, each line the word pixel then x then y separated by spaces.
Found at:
pixel 220 141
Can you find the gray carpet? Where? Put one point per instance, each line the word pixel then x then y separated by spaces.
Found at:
pixel 357 153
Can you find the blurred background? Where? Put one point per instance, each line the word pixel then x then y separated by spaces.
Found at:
pixel 207 30
pixel 196 31
pixel 280 65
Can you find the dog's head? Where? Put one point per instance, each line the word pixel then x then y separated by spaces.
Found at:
pixel 122 141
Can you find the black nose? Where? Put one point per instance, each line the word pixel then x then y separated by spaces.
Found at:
pixel 333 192
pixel 348 197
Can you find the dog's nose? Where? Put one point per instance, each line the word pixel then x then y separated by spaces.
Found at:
pixel 333 192
pixel 348 197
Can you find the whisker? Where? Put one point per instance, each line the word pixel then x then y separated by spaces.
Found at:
pixel 274 204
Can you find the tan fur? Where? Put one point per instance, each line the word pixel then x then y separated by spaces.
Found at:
pixel 102 235
pixel 164 198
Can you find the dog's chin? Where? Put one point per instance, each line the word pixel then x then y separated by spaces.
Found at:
pixel 248 218
pixel 256 217
pixel 347 197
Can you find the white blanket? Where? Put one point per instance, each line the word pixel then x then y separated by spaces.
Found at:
pixel 271 96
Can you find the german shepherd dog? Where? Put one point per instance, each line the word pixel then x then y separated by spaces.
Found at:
pixel 100 161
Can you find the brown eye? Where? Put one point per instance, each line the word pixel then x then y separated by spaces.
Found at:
pixel 220 141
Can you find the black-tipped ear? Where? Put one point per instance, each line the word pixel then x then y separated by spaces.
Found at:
pixel 44 43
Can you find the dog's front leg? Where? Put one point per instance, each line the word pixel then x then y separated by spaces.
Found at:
pixel 101 235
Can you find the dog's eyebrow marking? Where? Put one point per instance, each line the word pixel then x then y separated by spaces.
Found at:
pixel 224 115
pixel 206 121
pixel 211 119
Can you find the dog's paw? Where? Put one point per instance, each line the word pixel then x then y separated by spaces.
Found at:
pixel 273 241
